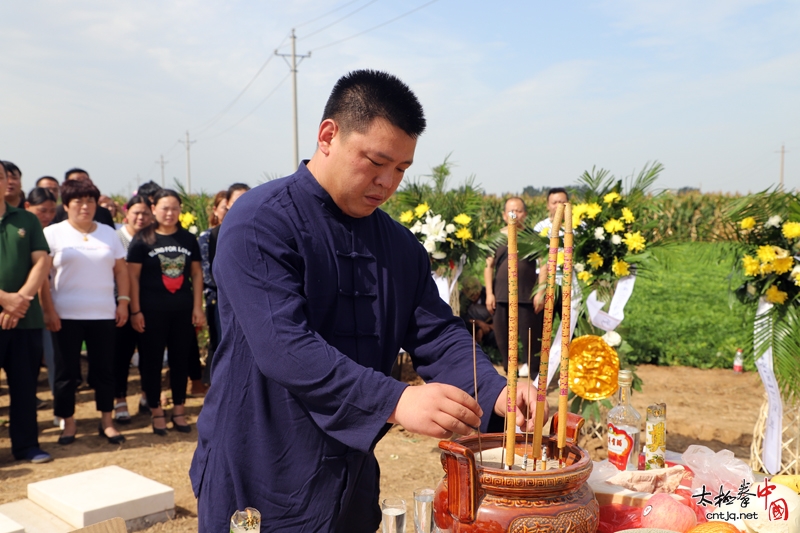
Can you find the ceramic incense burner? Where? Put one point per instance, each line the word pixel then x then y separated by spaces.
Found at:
pixel 475 497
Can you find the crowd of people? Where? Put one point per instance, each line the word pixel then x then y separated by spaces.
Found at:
pixel 77 270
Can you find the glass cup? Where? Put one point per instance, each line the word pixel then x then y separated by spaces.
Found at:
pixel 423 511
pixel 247 520
pixel 393 514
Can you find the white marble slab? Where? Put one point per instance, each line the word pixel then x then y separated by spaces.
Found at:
pixel 93 496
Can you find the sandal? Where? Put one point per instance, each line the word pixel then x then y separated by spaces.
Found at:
pixel 186 428
pixel 161 432
pixel 122 417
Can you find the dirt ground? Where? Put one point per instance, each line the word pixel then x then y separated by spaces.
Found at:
pixel 715 408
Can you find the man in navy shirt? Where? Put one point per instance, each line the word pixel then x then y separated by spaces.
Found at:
pixel 318 291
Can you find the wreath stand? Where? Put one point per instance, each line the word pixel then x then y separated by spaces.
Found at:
pixel 790 438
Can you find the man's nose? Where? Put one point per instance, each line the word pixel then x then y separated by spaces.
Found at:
pixel 384 178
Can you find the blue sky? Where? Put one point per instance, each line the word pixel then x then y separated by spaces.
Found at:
pixel 520 93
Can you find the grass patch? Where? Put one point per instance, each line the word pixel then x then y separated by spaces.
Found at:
pixel 679 313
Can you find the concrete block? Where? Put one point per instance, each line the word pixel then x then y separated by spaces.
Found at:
pixel 33 518
pixel 93 496
pixel 9 526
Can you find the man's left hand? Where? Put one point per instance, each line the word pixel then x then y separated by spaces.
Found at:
pixel 523 401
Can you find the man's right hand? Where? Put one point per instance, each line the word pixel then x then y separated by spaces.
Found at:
pixel 436 410
pixel 491 303
pixel 15 304
pixel 538 302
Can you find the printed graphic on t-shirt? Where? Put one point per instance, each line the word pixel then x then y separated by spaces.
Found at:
pixel 172 271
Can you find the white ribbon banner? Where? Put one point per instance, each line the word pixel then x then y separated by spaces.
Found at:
pixel 771 452
pixel 610 320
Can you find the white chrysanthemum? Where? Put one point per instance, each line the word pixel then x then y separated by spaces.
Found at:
pixel 450 228
pixel 578 267
pixel 430 245
pixel 773 222
pixel 612 338
pixel 616 239
pixel 599 233
pixel 193 230
pixel 438 255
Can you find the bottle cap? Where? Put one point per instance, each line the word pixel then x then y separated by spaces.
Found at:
pixel 657 410
pixel 625 377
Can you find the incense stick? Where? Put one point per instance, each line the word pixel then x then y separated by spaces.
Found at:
pixel 547 332
pixel 475 383
pixel 527 405
pixel 566 302
pixel 513 334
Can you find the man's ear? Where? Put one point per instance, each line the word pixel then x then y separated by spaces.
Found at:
pixel 328 130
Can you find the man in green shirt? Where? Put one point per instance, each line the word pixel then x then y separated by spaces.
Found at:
pixel 24 263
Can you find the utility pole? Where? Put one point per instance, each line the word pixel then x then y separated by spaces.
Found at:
pixel 162 163
pixel 296 60
pixel 188 144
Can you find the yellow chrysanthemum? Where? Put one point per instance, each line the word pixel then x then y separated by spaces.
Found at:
pixel 463 219
pixel 627 215
pixel 560 258
pixel 747 223
pixel 421 209
pixel 766 254
pixel 585 276
pixel 545 232
pixel 579 210
pixel 186 220
pixel 595 260
pixel 782 265
pixel 634 241
pixel 795 275
pixel 766 268
pixel 611 197
pixel 406 216
pixel 775 295
pixel 592 210
pixel 614 226
pixel 464 234
pixel 751 266
pixel 791 230
pixel 620 267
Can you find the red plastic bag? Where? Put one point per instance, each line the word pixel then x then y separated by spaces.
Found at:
pixel 616 517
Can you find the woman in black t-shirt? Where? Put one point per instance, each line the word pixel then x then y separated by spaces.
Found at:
pixel 166 304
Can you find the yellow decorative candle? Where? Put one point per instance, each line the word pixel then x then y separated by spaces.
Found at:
pixel 513 333
pixel 547 332
pixel 566 301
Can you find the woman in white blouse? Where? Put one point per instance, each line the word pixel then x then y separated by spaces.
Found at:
pixel 88 258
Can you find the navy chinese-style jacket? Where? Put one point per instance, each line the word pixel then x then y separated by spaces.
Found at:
pixel 315 306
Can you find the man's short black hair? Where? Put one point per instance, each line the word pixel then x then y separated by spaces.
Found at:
pixel 148 189
pixel 75 170
pixel 557 190
pixel 361 96
pixel 525 207
pixel 11 167
pixel 236 187
pixel 46 178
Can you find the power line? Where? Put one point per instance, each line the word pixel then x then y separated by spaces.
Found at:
pixel 334 10
pixel 376 27
pixel 252 111
pixel 337 21
pixel 205 126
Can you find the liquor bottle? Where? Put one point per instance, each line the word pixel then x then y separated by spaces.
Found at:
pixel 624 426
pixel 655 440
pixel 738 361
